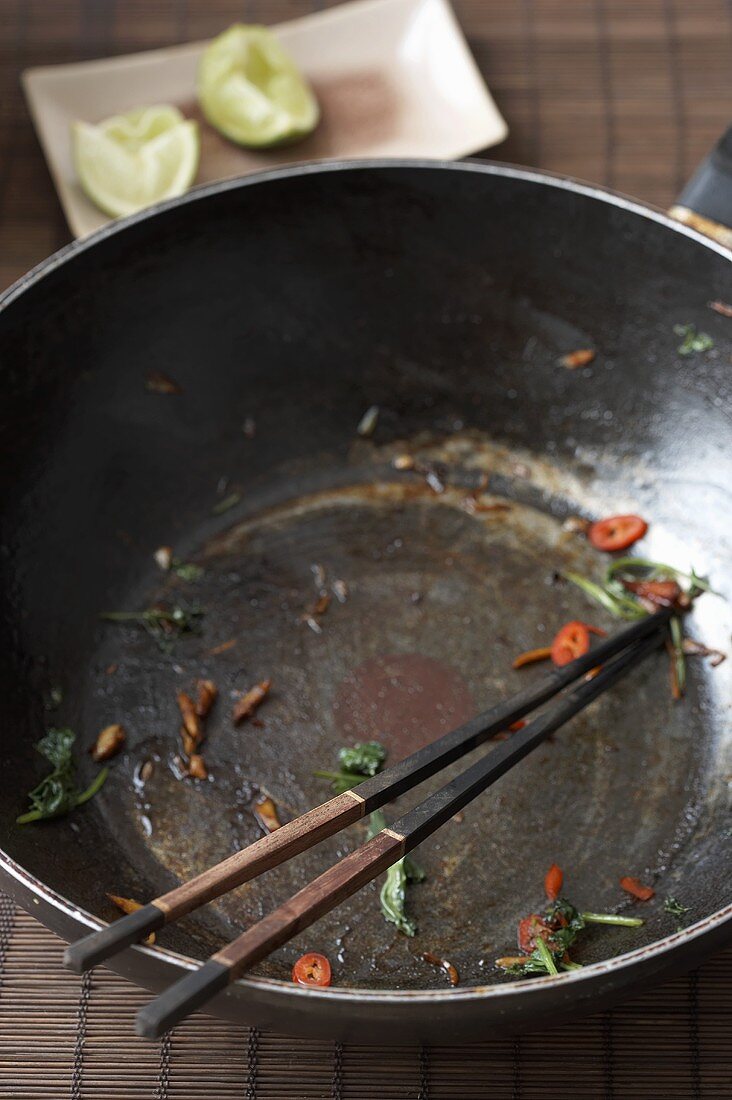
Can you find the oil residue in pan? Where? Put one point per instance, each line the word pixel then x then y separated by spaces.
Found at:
pixel 434 588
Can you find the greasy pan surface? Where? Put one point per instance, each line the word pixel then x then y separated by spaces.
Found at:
pixel 444 295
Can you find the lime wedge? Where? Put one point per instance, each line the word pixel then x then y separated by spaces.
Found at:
pixel 129 161
pixel 250 89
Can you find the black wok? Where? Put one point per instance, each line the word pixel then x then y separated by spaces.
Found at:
pixel 443 294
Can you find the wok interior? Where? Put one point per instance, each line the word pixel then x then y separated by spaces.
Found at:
pixel 444 297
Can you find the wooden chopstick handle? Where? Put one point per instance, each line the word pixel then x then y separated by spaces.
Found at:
pixel 267 852
pixel 318 897
pixel 264 854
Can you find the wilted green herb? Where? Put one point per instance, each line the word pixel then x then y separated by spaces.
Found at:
pixel 610 596
pixel 393 895
pixel 562 923
pixel 675 909
pixel 615 598
pixel 359 762
pixel 224 505
pixel 692 341
pixel 57 793
pixel 677 653
pixel 162 623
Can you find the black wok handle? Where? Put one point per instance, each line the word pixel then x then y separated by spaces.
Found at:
pixel 706 201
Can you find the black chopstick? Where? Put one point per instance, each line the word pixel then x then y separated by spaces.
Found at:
pixel 335 814
pixel 350 874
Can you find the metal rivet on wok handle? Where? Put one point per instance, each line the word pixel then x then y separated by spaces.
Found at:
pixel 705 204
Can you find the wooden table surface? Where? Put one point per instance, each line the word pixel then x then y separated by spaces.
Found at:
pixel 628 93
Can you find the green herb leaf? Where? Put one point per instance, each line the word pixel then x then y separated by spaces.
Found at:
pixel 393 899
pixel 675 909
pixel 657 570
pixel 164 624
pixel 57 794
pixel 546 956
pixel 365 758
pixel 186 570
pixel 613 598
pixel 358 762
pixel 693 341
pixel 679 657
pixel 550 953
pixel 225 504
pixel 341 781
pixel 612 918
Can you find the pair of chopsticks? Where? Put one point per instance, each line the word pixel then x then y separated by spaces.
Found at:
pixel 624 650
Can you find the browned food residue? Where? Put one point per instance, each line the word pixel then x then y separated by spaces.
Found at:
pixel 443 964
pixel 693 648
pixel 207 692
pixel 247 704
pixel 129 905
pixel 265 812
pixel 109 742
pixel 157 382
pixel 192 730
pixel 575 359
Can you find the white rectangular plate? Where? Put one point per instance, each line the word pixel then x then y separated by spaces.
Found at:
pixel 394 78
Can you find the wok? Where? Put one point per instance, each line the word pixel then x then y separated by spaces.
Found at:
pixel 297 299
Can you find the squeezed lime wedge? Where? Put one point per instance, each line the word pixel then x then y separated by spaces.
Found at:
pixel 129 161
pixel 250 89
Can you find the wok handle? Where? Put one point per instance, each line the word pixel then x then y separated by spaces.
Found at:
pixel 705 203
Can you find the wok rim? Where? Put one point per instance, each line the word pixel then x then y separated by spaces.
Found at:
pixel 63 908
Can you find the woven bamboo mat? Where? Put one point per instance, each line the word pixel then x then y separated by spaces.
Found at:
pixel 628 93
pixel 65 1036
pixel 61 1036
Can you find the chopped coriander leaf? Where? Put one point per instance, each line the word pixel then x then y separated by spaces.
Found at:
pixel 693 341
pixel 546 938
pixel 366 758
pixel 358 762
pixel 675 909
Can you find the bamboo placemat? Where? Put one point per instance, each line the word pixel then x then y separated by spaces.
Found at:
pixel 628 93
pixel 62 1036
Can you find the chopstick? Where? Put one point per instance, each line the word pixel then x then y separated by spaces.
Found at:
pixel 347 876
pixel 330 817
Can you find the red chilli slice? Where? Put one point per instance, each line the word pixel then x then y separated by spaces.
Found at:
pixel 553 881
pixel 636 888
pixel 617 532
pixel 312 969
pixel 573 641
pixel 529 929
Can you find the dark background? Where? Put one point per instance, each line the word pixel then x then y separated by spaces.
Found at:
pixel 627 93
